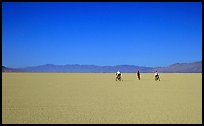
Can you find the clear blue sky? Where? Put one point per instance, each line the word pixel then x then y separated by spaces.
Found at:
pixel 101 33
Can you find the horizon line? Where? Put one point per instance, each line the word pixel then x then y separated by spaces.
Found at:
pixel 100 65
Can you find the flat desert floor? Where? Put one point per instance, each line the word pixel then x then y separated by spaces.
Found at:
pixel 50 98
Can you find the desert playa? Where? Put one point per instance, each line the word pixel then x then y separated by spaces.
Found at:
pixel 59 98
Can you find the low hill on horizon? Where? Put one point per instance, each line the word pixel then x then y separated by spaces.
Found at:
pixel 194 67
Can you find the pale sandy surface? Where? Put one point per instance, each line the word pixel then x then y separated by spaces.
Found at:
pixel 98 98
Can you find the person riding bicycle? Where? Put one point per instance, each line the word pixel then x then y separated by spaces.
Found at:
pixel 157 76
pixel 118 75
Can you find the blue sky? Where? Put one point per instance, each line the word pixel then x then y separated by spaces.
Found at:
pixel 101 33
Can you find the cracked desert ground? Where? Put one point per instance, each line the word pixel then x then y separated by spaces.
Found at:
pixel 64 98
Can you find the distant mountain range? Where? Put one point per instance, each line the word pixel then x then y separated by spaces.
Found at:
pixel 195 67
